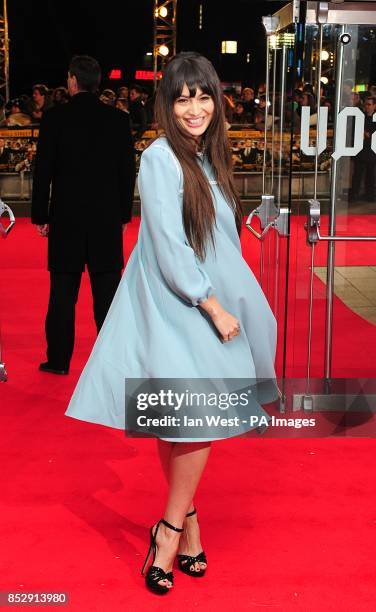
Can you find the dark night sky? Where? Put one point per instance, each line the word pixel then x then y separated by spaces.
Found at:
pixel 45 34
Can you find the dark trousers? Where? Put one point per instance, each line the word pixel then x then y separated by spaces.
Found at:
pixel 364 167
pixel 60 319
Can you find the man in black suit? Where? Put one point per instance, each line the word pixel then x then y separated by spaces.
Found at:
pixel 4 152
pixel 137 111
pixel 83 188
pixel 248 154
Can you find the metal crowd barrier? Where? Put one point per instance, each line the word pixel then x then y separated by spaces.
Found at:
pixel 4 232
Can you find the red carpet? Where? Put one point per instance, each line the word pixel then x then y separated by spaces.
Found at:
pixel 287 524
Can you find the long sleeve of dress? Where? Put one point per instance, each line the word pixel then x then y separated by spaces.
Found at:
pixel 160 186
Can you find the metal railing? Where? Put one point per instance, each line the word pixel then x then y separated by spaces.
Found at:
pixel 4 232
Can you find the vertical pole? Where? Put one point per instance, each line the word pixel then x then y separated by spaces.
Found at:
pixel 281 122
pixel 155 54
pixel 164 33
pixel 273 118
pixel 174 23
pixel 266 113
pixel 6 52
pixel 332 222
pixel 318 86
pixel 318 100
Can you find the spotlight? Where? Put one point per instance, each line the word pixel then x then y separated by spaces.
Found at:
pixel 161 12
pixel 324 55
pixel 163 50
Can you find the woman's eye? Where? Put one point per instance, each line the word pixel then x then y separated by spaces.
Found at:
pixel 205 98
pixel 182 100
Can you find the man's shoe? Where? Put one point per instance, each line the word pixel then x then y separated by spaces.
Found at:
pixel 47 367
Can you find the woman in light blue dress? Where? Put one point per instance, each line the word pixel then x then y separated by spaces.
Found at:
pixel 188 308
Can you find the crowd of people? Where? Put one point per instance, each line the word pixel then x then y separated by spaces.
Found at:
pixel 28 110
pixel 17 154
pixel 244 109
pixel 248 107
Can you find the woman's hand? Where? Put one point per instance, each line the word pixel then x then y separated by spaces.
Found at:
pixel 226 324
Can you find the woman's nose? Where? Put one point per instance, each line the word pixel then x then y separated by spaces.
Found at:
pixel 194 107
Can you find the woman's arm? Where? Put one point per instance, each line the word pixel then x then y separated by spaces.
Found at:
pixel 160 186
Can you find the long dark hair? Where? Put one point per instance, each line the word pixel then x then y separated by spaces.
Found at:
pixel 196 71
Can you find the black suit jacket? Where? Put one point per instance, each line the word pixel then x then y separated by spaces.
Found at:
pixel 249 157
pixel 139 117
pixel 85 156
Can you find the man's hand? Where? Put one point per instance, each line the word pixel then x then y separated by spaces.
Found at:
pixel 43 230
pixel 124 227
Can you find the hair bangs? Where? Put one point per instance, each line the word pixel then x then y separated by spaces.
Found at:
pixel 194 77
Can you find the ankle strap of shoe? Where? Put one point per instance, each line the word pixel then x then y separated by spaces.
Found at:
pixel 171 526
pixel 194 511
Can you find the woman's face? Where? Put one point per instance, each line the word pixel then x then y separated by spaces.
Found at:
pixel 194 114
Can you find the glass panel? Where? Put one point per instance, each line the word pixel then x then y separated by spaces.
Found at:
pixel 343 341
pixel 306 345
pixel 354 305
pixel 278 140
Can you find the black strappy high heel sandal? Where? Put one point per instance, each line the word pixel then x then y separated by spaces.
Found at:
pixel 155 573
pixel 186 561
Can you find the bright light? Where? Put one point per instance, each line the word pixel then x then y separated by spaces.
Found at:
pixel 115 74
pixel 273 41
pixel 324 55
pixel 146 75
pixel 324 80
pixel 163 50
pixel 287 39
pixel 161 12
pixel 229 46
pixel 149 53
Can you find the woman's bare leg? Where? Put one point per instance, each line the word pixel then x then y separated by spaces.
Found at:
pixel 164 451
pixel 187 461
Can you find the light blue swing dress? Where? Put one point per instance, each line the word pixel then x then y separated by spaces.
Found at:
pixel 154 327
